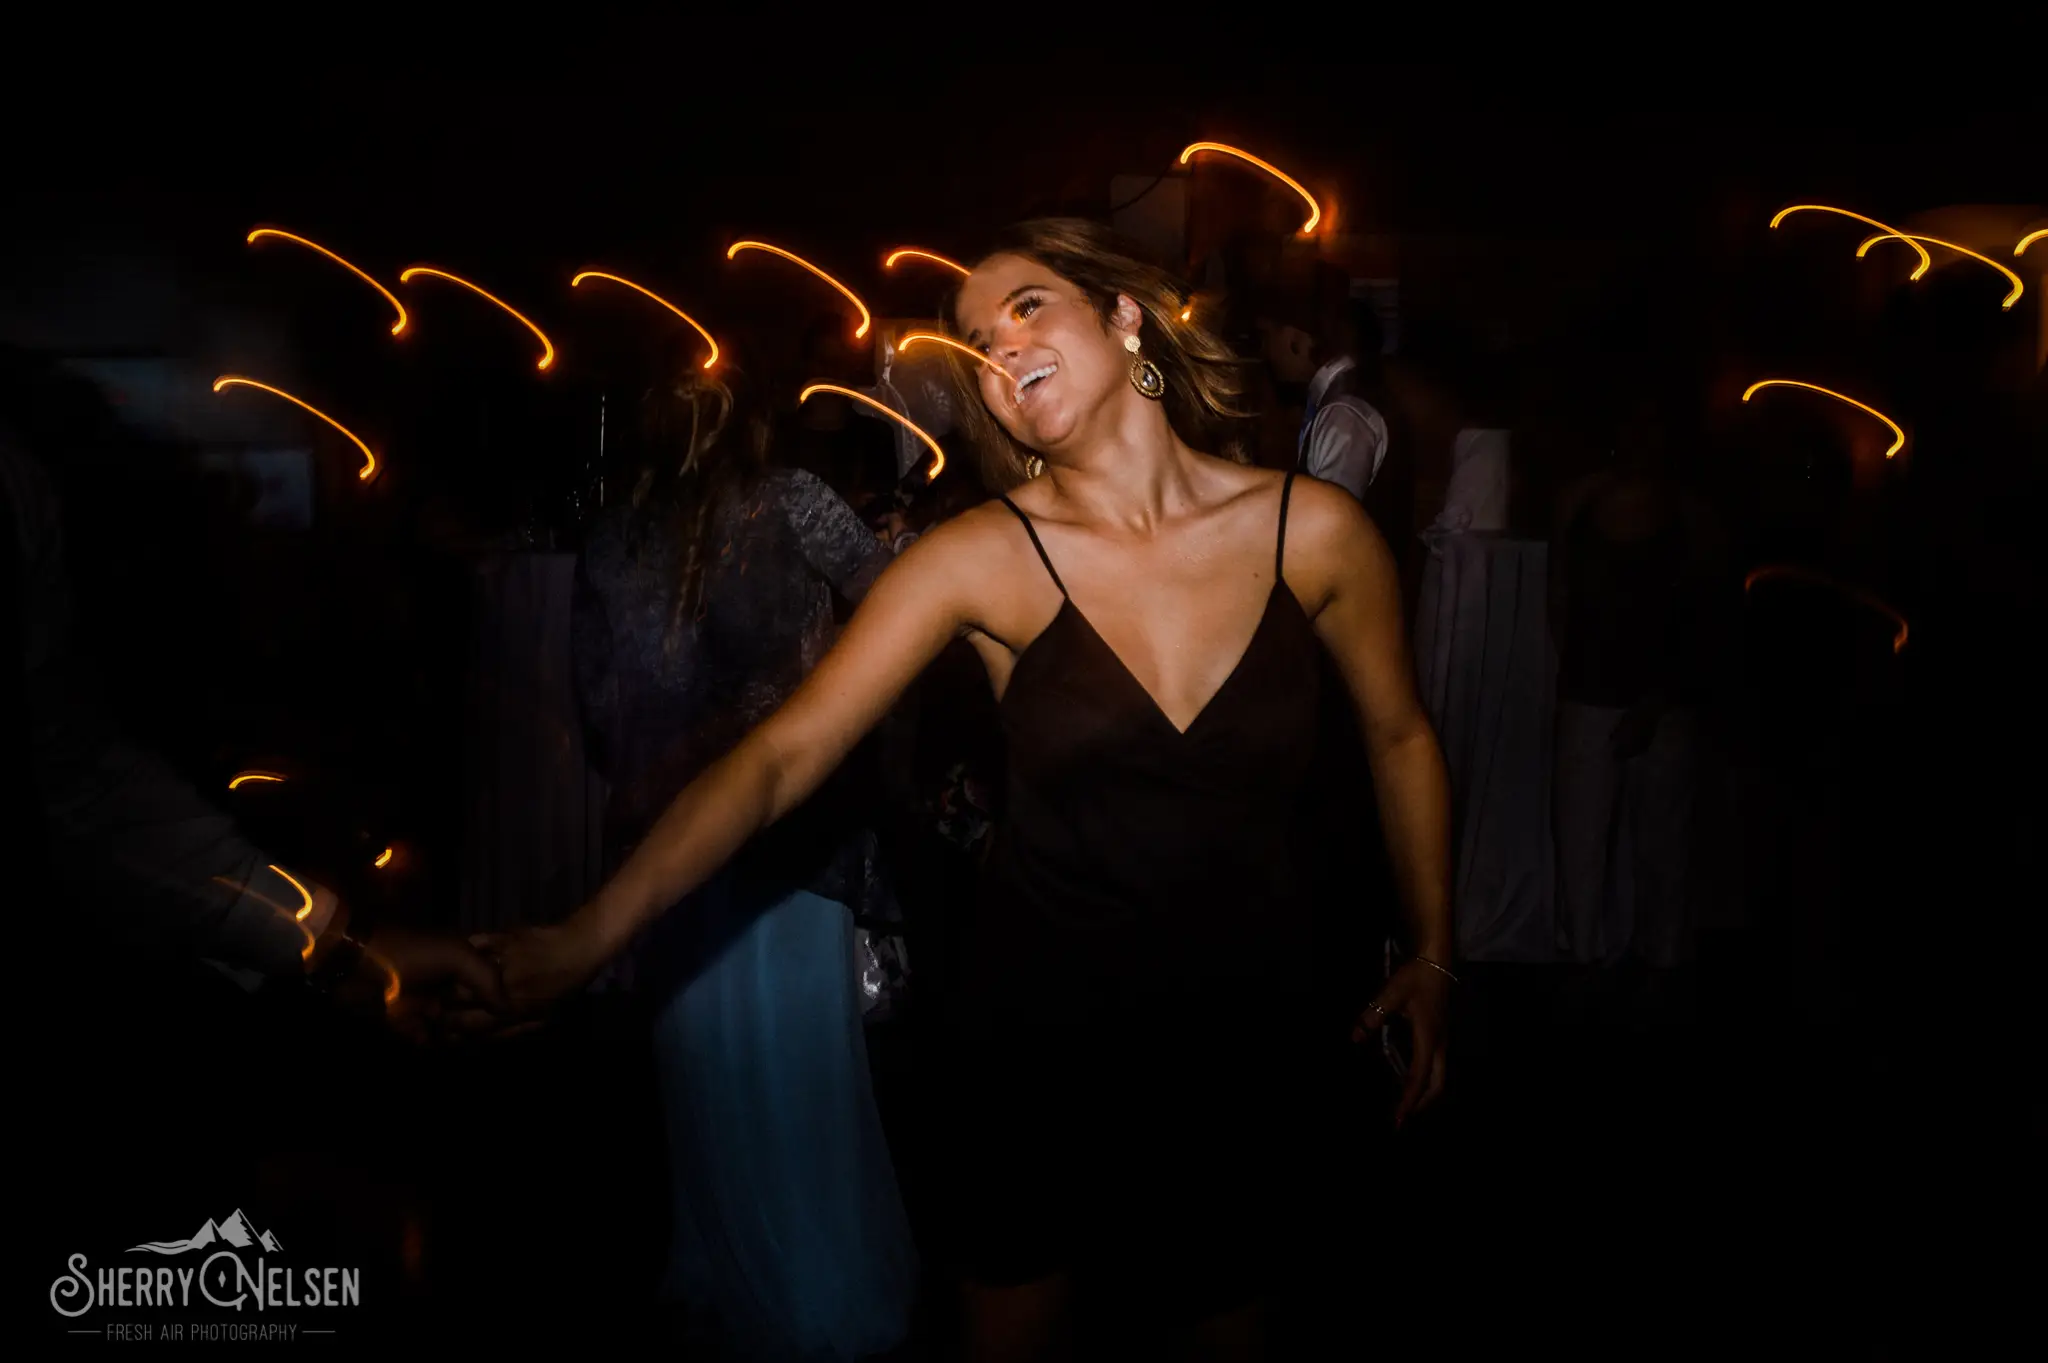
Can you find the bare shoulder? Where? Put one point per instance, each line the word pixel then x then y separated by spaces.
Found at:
pixel 1332 545
pixel 966 560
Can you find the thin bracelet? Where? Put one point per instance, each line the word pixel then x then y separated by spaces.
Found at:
pixel 1437 968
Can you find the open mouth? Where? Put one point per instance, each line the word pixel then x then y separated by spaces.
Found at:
pixel 1028 383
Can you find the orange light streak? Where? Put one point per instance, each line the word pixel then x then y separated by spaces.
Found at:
pixel 865 318
pixel 304 893
pixel 547 347
pixel 2017 287
pixel 383 859
pixel 1793 570
pixel 246 777
pixel 306 951
pixel 1315 211
pixel 898 254
pixel 600 274
pixel 1899 435
pixel 2028 240
pixel 1925 260
pixel 389 297
pixel 938 455
pixel 237 381
pixel 911 337
pixel 390 974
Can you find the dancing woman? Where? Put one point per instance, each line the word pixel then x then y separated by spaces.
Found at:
pixel 1150 613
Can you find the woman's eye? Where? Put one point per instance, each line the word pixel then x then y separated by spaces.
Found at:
pixel 1025 307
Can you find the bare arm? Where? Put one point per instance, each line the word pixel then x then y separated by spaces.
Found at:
pixel 1352 588
pixel 919 604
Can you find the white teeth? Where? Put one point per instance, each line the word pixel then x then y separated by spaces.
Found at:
pixel 1045 371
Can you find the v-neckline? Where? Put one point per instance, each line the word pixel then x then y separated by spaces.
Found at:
pixel 1152 701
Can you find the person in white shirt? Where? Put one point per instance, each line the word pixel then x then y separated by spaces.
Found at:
pixel 1311 347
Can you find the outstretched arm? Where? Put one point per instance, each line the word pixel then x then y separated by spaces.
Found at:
pixel 916 606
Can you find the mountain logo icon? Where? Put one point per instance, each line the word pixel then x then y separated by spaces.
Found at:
pixel 236 1230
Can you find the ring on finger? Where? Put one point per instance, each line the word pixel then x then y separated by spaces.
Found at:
pixel 1376 1007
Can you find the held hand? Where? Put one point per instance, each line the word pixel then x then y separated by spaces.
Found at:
pixel 540 965
pixel 444 987
pixel 1422 994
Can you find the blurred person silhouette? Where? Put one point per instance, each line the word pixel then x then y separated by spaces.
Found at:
pixel 703 600
pixel 1636 587
pixel 181 962
pixel 158 868
pixel 1315 342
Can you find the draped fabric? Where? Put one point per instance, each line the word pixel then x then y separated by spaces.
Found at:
pixel 1488 677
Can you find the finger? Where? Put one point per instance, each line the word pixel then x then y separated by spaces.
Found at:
pixel 471 1022
pixel 1411 1091
pixel 1372 1019
pixel 1436 1082
pixel 1420 1066
pixel 478 975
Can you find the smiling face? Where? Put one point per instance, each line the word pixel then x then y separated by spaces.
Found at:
pixel 1058 368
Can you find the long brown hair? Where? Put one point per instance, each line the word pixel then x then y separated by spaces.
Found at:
pixel 706 443
pixel 1205 380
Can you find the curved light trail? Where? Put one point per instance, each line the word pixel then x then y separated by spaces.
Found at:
pixel 305 895
pixel 383 859
pixel 2028 240
pixel 1898 434
pixel 244 778
pixel 889 263
pixel 1794 571
pixel 600 274
pixel 389 297
pixel 1925 259
pixel 910 338
pixel 1315 210
pixel 2017 287
pixel 938 455
pixel 306 951
pixel 866 319
pixel 237 381
pixel 547 347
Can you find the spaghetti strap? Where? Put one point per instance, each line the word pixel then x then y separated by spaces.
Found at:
pixel 1032 531
pixel 1279 549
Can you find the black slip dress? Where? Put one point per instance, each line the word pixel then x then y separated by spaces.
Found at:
pixel 1135 1029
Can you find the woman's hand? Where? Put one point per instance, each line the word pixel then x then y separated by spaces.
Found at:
pixel 1422 994
pixel 540 965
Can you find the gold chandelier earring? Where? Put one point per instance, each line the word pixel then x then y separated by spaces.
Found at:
pixel 1145 375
